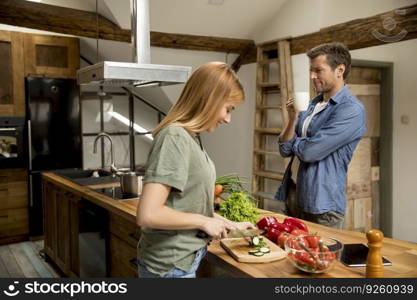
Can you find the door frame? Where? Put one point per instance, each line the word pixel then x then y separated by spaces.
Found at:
pixel 385 219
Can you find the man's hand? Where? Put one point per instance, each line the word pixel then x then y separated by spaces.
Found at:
pixel 289 129
pixel 292 113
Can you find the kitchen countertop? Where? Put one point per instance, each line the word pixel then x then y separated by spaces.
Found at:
pixel 403 255
pixel 123 208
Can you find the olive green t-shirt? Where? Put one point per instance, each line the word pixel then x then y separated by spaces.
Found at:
pixel 177 160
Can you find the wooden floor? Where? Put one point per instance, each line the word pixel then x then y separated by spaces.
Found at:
pixel 22 260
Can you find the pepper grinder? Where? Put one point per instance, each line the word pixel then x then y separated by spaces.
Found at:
pixel 374 266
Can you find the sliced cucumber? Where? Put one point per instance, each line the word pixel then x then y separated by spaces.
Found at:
pixel 255 241
pixel 253 251
pixel 258 254
pixel 264 250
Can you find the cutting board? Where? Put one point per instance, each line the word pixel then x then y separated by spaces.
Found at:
pixel 238 248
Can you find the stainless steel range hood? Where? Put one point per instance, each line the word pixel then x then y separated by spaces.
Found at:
pixel 141 72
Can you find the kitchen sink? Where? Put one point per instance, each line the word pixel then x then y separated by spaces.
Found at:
pixel 87 177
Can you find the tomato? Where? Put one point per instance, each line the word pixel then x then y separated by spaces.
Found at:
pixel 305 258
pixel 329 256
pixel 283 237
pixel 281 227
pixel 294 242
pixel 266 222
pixel 315 250
pixel 218 189
pixel 298 232
pixel 313 240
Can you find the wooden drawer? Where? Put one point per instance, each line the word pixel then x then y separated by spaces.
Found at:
pixel 13 195
pixel 122 258
pixel 13 175
pixel 125 230
pixel 14 222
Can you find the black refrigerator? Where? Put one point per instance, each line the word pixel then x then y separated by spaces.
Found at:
pixel 54 136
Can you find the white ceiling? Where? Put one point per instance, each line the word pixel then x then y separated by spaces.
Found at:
pixel 234 18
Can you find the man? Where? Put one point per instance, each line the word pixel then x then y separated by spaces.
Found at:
pixel 322 140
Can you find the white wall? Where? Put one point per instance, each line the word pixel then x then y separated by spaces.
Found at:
pixel 304 16
pixel 230 152
pixel 231 145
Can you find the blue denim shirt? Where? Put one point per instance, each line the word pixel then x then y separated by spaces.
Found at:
pixel 326 151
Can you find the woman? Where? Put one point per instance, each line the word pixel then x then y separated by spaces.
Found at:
pixel 178 192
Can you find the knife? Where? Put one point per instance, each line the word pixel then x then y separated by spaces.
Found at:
pixel 236 233
pixel 244 233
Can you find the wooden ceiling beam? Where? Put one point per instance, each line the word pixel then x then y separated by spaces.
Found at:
pixel 365 32
pixel 390 27
pixel 355 34
pixel 88 24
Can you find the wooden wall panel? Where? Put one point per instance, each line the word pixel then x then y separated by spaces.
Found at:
pixel 359 171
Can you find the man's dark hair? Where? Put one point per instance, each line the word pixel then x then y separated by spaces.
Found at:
pixel 336 54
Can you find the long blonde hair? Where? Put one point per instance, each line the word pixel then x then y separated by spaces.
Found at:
pixel 208 88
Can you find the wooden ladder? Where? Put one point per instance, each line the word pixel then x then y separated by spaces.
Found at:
pixel 271 96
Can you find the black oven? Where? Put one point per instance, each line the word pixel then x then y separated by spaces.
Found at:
pixel 12 142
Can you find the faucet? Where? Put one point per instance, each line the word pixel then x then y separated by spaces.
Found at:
pixel 113 168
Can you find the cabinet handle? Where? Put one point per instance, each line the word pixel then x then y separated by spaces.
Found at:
pixel 134 262
pixel 4 216
pixel 134 235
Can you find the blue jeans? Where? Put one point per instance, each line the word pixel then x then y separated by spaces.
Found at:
pixel 174 273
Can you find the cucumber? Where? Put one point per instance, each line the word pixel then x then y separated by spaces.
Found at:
pixel 255 241
pixel 253 251
pixel 264 250
pixel 258 254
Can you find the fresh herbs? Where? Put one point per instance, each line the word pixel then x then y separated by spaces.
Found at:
pixel 231 183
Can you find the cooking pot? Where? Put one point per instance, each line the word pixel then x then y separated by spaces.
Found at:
pixel 130 183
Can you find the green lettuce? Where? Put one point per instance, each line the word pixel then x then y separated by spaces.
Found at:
pixel 239 207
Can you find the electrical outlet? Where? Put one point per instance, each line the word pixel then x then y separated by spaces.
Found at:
pixel 216 2
pixel 405 119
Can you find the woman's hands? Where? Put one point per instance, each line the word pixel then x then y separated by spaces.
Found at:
pixel 243 225
pixel 217 228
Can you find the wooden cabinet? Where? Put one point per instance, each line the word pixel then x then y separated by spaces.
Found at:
pixel 12 85
pixel 14 219
pixel 51 56
pixel 61 227
pixel 32 55
pixel 124 236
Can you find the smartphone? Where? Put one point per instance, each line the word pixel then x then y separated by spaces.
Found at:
pixel 354 255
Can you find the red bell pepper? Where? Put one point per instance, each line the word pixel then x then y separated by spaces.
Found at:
pixel 281 227
pixel 266 222
pixel 295 223
pixel 273 234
